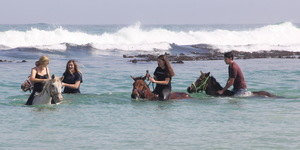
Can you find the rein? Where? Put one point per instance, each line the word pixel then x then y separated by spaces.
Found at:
pixel 152 85
pixel 203 85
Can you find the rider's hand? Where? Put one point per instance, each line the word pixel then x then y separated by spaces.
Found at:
pixel 220 92
pixel 151 79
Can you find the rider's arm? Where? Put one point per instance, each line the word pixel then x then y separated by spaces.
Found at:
pixel 228 85
pixel 72 86
pixel 165 82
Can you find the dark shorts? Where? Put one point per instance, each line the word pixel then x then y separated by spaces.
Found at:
pixel 241 93
pixel 165 94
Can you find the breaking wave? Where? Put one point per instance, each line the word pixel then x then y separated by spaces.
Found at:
pixel 283 36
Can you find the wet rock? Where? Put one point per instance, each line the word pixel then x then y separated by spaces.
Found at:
pixel 216 55
pixel 178 62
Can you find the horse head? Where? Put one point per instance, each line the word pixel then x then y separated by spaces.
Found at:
pixel 200 84
pixel 208 84
pixel 55 88
pixel 139 87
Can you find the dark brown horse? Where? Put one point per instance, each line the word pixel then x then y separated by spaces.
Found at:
pixel 142 91
pixel 211 87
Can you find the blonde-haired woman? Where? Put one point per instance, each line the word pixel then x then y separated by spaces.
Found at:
pixel 162 77
pixel 39 74
pixel 72 78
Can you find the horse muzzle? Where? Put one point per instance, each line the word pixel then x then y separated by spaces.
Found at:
pixel 58 98
pixel 135 96
pixel 190 89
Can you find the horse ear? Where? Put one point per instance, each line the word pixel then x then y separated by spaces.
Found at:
pixel 201 73
pixel 53 77
pixel 208 74
pixel 133 78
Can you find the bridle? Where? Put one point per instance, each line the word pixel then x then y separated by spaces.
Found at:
pixel 140 92
pixel 203 86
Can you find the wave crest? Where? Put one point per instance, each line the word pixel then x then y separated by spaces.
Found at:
pixel 282 36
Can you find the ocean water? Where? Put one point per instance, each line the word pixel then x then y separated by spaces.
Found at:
pixel 105 117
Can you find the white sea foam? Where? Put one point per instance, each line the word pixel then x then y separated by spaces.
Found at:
pixel 284 36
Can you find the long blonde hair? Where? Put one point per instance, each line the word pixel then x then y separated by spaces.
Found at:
pixel 42 61
pixel 169 68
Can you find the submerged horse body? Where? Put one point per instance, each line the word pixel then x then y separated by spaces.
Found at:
pixel 51 90
pixel 141 90
pixel 211 87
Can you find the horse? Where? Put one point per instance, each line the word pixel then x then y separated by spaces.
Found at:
pixel 142 91
pixel 211 87
pixel 51 90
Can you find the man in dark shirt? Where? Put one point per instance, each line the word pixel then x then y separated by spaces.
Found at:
pixel 236 77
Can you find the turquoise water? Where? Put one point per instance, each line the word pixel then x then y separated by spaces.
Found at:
pixel 105 117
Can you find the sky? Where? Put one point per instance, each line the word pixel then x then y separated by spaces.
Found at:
pixel 149 11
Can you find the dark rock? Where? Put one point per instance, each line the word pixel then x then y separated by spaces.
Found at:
pixel 178 62
pixel 216 55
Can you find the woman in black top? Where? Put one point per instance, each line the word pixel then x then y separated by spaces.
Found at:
pixel 162 77
pixel 39 74
pixel 72 78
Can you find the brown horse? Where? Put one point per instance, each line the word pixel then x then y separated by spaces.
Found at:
pixel 142 91
pixel 211 87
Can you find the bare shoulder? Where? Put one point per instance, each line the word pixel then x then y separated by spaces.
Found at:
pixel 34 69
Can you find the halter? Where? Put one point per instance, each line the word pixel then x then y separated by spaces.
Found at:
pixel 140 92
pixel 203 85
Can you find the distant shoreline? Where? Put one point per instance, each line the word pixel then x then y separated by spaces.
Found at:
pixel 213 55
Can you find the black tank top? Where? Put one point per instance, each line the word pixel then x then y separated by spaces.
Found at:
pixel 38 87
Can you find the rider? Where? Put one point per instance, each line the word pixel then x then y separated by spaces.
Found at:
pixel 39 74
pixel 162 77
pixel 236 77
pixel 72 78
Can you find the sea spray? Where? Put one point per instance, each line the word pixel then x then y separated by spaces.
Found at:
pixel 137 37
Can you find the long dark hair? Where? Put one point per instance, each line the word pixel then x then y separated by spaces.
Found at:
pixel 76 68
pixel 169 68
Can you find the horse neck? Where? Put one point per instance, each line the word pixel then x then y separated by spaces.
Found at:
pixel 46 88
pixel 213 86
pixel 44 97
pixel 148 94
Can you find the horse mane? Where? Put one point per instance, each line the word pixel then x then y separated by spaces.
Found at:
pixel 215 83
pixel 46 85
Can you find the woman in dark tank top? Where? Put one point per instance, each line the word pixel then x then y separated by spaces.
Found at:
pixel 38 86
pixel 39 74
